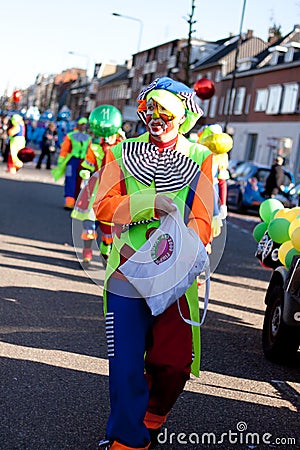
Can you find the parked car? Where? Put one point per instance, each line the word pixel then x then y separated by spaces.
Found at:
pixel 233 164
pixel 281 326
pixel 294 196
pixel 246 185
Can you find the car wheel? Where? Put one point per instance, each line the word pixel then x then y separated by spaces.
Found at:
pixel 280 342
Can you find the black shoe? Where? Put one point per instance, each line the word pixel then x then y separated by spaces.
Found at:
pixel 38 167
pixel 153 436
pixel 104 444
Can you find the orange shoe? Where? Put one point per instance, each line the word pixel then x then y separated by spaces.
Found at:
pixel 69 202
pixel 89 235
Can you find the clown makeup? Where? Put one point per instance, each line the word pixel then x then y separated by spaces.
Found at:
pixel 161 123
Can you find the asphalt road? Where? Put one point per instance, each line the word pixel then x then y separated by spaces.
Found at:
pixel 53 371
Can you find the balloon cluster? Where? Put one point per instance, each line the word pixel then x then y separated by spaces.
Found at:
pixel 282 225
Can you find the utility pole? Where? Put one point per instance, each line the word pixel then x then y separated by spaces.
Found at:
pixel 227 119
pixel 187 63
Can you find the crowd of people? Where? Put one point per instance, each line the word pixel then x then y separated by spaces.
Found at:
pixel 121 190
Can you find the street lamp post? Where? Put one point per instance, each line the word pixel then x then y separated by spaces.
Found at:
pixel 82 56
pixel 136 20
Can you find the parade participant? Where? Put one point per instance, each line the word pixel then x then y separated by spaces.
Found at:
pixel 105 123
pixel 17 141
pixel 219 144
pixel 150 358
pixel 72 153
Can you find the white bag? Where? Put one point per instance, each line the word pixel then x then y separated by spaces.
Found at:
pixel 168 264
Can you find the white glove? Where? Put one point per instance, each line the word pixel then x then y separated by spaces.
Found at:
pixel 84 174
pixel 216 226
pixel 223 212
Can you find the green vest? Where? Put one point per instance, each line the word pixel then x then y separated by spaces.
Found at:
pixel 135 237
pixel 80 142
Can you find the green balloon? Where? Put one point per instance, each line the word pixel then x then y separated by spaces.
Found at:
pixel 105 120
pixel 259 230
pixel 273 214
pixel 278 230
pixel 268 207
pixel 289 257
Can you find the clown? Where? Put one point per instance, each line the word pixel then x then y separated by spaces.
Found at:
pixel 220 144
pixel 150 358
pixel 72 154
pixel 105 123
pixel 17 142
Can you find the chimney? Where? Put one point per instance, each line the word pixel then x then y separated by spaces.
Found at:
pixel 249 34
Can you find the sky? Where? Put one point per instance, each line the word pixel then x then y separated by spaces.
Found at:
pixel 37 37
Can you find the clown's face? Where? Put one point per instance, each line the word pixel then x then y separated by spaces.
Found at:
pixel 161 123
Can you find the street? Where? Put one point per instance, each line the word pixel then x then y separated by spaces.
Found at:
pixel 54 371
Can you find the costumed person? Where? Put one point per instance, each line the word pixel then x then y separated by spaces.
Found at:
pixel 17 141
pixel 72 153
pixel 219 144
pixel 105 123
pixel 143 178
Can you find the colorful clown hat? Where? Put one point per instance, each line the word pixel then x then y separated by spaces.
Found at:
pixel 162 90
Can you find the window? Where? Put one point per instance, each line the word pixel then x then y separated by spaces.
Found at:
pixel 289 56
pixel 239 100
pixel 289 98
pixel 274 59
pixel 218 76
pixel 247 104
pixel 213 107
pixel 274 99
pixel 229 98
pixel 261 100
pixel 251 146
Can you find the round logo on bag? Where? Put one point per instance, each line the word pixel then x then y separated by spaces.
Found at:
pixel 162 249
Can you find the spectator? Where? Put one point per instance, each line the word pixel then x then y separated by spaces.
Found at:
pixel 275 181
pixel 48 145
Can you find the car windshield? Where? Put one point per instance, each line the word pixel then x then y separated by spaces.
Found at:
pixel 242 171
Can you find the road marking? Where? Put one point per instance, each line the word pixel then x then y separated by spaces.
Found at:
pixel 288 392
pixel 210 383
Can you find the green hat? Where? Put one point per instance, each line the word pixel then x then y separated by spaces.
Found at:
pixel 82 121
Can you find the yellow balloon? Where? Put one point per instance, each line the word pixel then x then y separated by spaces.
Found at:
pixel 295 238
pixel 218 143
pixel 283 213
pixel 293 213
pixel 294 224
pixel 283 250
